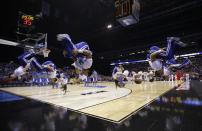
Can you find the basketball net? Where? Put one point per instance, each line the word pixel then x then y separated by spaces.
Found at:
pixel 46 52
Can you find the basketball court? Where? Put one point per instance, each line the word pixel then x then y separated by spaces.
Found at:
pixel 108 103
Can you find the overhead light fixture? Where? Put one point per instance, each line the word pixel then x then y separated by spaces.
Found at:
pixel 132 53
pixel 109 26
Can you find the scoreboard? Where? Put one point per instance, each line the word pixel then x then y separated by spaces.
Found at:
pixel 123 8
pixel 27 20
pixel 27 24
pixel 27 28
pixel 127 11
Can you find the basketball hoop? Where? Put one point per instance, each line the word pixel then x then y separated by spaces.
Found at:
pixel 46 52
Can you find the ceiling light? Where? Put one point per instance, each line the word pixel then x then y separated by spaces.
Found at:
pixel 109 26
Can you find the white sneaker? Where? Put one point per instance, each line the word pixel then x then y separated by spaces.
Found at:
pixel 60 37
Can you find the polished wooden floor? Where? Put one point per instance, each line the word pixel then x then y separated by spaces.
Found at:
pixel 109 103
